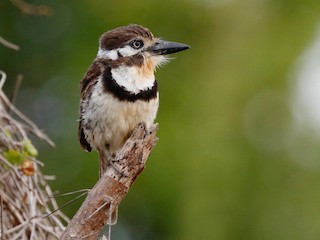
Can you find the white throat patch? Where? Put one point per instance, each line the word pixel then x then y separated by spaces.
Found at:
pixel 131 79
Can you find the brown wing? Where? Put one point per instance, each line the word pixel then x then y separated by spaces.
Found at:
pixel 86 85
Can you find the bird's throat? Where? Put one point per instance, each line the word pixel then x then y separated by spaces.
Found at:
pixel 134 79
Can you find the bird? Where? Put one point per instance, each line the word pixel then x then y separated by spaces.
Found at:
pixel 119 90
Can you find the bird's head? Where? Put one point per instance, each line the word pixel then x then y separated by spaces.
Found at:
pixel 135 46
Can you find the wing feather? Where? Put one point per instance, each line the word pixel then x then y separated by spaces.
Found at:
pixel 86 85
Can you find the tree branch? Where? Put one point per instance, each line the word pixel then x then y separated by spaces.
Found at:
pixel 31 9
pixel 112 187
pixel 8 44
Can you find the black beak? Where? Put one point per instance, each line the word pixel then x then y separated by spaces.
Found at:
pixel 165 47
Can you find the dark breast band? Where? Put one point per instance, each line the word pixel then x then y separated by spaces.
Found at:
pixel 111 86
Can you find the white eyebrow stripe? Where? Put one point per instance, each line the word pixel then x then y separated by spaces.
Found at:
pixel 111 54
pixel 114 54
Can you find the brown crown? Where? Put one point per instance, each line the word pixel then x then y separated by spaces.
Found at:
pixel 118 37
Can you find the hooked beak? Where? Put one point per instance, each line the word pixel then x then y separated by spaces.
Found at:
pixel 161 47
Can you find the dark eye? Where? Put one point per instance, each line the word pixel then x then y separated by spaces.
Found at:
pixel 136 44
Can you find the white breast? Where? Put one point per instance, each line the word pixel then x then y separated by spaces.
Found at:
pixel 113 120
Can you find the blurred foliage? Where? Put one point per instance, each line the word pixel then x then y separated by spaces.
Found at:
pixel 231 162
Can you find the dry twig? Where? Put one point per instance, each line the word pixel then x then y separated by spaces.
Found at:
pixel 25 195
pixel 32 9
pixel 8 44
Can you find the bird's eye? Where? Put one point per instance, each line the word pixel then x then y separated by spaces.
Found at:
pixel 136 44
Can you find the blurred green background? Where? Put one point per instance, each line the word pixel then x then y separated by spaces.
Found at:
pixel 238 156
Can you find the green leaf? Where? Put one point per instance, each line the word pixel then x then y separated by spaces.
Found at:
pixel 29 148
pixel 13 156
pixel 8 133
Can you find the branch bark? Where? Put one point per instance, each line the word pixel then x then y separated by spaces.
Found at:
pixel 112 187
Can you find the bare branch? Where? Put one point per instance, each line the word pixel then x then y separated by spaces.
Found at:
pixel 112 187
pixel 8 44
pixel 1 217
pixel 16 88
pixel 27 123
pixel 32 9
